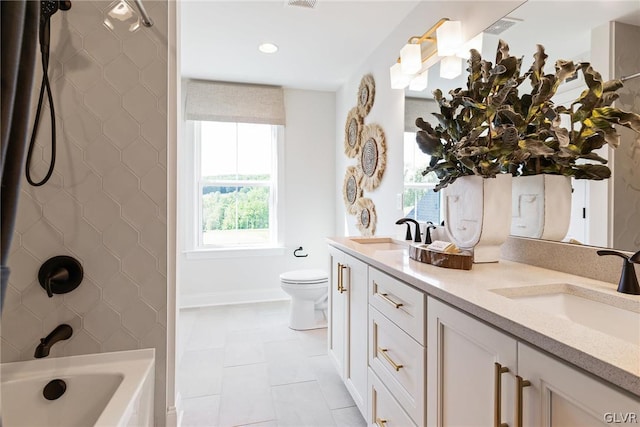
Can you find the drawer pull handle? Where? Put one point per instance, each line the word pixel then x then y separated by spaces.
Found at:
pixel 380 422
pixel 395 365
pixel 520 385
pixel 390 301
pixel 497 397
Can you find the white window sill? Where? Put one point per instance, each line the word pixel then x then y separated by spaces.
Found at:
pixel 234 252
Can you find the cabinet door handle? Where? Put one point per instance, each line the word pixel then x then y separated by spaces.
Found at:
pixel 520 385
pixel 341 268
pixel 395 365
pixel 390 301
pixel 381 422
pixel 497 397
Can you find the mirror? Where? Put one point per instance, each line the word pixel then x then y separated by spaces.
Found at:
pixel 603 213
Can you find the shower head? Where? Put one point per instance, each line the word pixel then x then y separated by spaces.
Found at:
pixel 47 9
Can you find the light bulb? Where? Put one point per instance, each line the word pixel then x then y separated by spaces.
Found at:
pixel 449 36
pixel 411 58
pixel 450 67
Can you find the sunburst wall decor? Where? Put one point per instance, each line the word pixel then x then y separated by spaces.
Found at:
pixel 352 132
pixel 366 217
pixel 351 189
pixel 372 159
pixel 366 93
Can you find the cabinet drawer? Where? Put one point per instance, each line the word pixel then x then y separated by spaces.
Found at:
pixel 401 303
pixel 400 362
pixel 383 408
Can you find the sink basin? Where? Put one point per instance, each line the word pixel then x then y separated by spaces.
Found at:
pixel 615 315
pixel 379 243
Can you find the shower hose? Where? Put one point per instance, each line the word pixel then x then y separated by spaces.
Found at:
pixel 43 86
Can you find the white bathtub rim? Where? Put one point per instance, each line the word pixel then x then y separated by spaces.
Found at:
pixel 135 366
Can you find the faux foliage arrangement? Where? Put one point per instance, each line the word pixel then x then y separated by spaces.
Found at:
pixel 490 128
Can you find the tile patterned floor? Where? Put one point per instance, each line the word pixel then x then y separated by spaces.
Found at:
pixel 241 365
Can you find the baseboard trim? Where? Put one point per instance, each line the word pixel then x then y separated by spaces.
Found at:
pixel 235 297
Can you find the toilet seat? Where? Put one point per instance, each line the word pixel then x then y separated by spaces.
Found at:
pixel 304 277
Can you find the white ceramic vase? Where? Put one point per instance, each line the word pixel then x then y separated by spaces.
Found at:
pixel 477 214
pixel 541 206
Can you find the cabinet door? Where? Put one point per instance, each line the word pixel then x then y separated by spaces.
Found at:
pixel 337 311
pixel 464 384
pixel 557 395
pixel 356 283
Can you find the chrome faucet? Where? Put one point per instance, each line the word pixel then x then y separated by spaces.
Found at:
pixel 628 281
pixel 408 235
pixel 60 333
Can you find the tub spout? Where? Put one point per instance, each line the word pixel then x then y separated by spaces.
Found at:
pixel 60 333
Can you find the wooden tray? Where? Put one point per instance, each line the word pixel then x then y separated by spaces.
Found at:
pixel 460 261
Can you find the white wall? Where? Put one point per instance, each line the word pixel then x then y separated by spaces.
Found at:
pixel 309 172
pixel 388 107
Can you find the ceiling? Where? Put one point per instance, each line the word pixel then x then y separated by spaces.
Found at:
pixel 321 47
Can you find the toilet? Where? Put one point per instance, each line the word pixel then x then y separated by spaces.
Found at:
pixel 309 291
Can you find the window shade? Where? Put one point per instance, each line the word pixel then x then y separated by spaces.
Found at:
pixel 234 102
pixel 419 107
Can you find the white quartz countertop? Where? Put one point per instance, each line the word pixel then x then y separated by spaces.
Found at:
pixel 603 355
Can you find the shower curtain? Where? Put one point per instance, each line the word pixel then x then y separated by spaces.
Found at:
pixel 19 42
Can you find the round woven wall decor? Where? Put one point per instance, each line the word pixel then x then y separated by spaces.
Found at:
pixel 366 217
pixel 351 189
pixel 352 132
pixel 373 156
pixel 366 93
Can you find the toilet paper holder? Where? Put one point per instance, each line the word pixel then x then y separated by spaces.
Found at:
pixel 297 255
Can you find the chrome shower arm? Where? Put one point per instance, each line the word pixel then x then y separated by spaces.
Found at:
pixel 629 77
pixel 146 19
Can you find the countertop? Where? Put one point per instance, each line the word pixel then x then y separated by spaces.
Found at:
pixel 605 356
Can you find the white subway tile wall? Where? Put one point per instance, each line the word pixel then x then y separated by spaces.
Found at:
pixel 105 203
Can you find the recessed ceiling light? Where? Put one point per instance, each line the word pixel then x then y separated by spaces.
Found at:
pixel 268 48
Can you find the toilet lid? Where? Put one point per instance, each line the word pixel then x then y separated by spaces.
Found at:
pixel 304 276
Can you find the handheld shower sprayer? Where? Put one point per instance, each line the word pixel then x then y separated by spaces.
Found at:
pixel 47 9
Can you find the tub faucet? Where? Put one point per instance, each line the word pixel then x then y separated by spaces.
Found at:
pixel 628 281
pixel 61 332
pixel 408 236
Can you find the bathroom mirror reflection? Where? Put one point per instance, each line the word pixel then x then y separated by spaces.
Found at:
pixel 603 213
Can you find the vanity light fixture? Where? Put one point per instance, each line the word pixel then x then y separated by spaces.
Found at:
pixel 449 38
pixel 450 67
pixel 399 80
pixel 268 48
pixel 420 82
pixel 441 42
pixel 411 58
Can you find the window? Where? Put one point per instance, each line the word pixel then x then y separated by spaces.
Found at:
pixel 236 184
pixel 420 202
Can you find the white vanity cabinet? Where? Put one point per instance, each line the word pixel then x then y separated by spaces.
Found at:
pixel 477 375
pixel 556 394
pixel 468 381
pixel 347 312
pixel 397 356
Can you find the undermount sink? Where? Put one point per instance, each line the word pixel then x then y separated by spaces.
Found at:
pixel 613 314
pixel 379 243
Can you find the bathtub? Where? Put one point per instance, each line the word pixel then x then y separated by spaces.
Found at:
pixel 106 390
